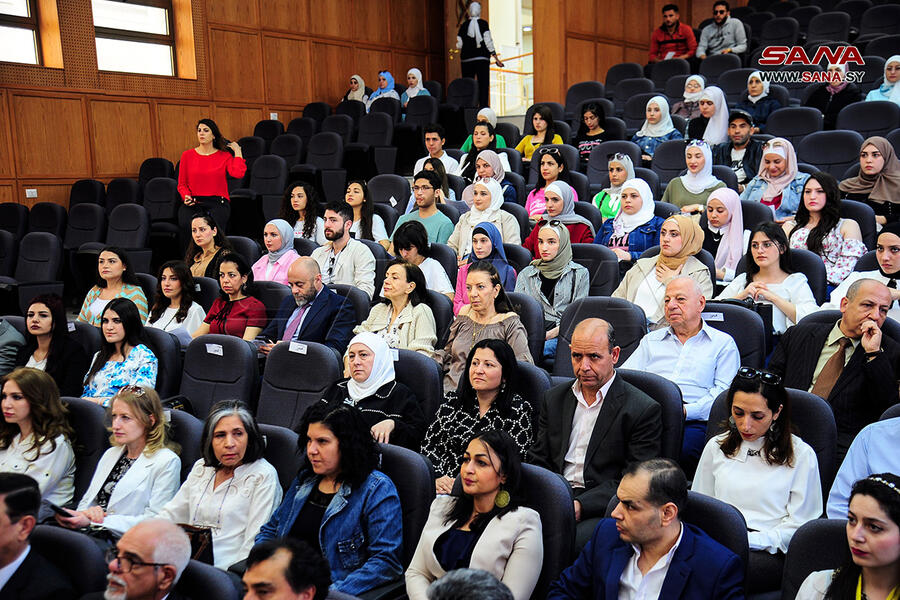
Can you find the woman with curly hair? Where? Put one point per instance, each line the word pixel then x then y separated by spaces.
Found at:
pixel 300 207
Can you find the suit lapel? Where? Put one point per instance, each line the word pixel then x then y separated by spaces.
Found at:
pixel 617 563
pixel 608 413
pixel 851 369
pixel 314 309
pixel 817 343
pixel 566 416
pixel 679 569
pixel 135 476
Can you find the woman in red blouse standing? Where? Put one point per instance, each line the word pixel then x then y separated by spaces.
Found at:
pixel 201 175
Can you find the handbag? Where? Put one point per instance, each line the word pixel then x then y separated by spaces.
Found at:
pixel 763 309
pixel 201 542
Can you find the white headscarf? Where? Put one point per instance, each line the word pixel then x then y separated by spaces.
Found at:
pixel 625 223
pixel 496 201
pixel 412 92
pixel 717 129
pixel 665 124
pixel 474 30
pixel 626 162
pixel 488 113
pixel 382 368
pixel 704 179
pixel 694 96
pixel 360 93
pixel 286 232
pixel 765 84
pixel 894 96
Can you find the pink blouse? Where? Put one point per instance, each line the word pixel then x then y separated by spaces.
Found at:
pixel 279 269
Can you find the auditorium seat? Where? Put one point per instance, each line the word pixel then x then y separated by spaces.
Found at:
pixel 627 88
pixel 794 123
pixel 289 147
pixel 668 160
pixel 14 219
pixel 122 190
pixel 268 130
pixel 714 66
pixel 218 367
pixel 635 112
pixel 49 217
pixel 323 166
pixel 260 201
pixel 372 152
pixel 390 189
pixel 317 111
pixel 88 191
pixel 869 118
pixel 830 151
pixel 628 320
pixel 828 26
pixel 341 125
pixel 620 71
pixel 580 92
pixel 37 271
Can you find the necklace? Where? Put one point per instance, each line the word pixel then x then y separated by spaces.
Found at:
pixel 218 525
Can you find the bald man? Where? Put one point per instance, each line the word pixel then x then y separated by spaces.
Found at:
pixel 313 313
pixel 866 376
pixel 591 428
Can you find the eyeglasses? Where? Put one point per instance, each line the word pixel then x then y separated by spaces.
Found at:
pixel 133 389
pixel 544 151
pixel 331 262
pixel 126 563
pixel 752 374
pixel 423 188
pixel 699 143
pixel 553 223
pixel 616 156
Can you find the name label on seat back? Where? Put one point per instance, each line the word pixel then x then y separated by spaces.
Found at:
pixel 215 349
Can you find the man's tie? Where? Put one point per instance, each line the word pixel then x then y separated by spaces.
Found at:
pixel 832 370
pixel 291 328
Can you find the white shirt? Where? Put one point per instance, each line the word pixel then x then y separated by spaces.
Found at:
pixel 634 585
pixel 54 471
pixel 774 499
pixel 183 330
pixel 794 289
pixel 318 233
pixel 37 364
pixel 354 265
pixel 649 296
pixel 379 231
pixel 815 586
pixel 235 510
pixel 450 164
pixel 435 276
pixel 582 429
pixel 9 570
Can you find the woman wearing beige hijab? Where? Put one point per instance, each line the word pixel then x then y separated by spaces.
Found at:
pixel 878 182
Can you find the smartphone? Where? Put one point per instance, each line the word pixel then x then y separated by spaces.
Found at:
pixel 63 512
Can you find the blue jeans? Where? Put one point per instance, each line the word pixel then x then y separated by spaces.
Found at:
pixel 550 349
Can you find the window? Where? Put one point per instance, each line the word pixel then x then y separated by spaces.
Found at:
pixel 136 37
pixel 18 32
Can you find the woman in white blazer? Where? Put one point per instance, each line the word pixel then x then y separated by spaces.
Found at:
pixel 138 475
pixel 484 528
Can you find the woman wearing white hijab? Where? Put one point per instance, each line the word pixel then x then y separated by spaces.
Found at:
pixel 712 125
pixel 473 40
pixel 414 81
pixel 888 90
pixel 689 108
pixel 389 408
pixel 278 237
pixel 621 169
pixel 758 103
pixel 487 198
pixel 657 128
pixel 357 90
pixel 690 191
pixel 635 228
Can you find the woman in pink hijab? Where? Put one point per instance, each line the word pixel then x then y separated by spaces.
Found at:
pixel 779 184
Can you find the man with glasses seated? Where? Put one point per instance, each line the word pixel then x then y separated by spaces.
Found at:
pixel 146 563
pixel 849 363
pixel 724 35
pixel 344 259
pixel 437 224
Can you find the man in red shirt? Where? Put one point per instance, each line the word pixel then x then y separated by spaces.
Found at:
pixel 672 39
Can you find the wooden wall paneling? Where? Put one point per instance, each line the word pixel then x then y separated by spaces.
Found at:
pixel 236 65
pixel 287 72
pixel 234 12
pixel 607 56
pixel 50 136
pixel 638 55
pixel 7 168
pixel 434 21
pixel 178 128
pixel 636 24
pixel 330 18
pixel 236 122
pixel 368 63
pixel 7 191
pixel 549 43
pixel 582 17
pixel 333 65
pixel 437 69
pixel 580 60
pixel 407 19
pixel 286 15
pixel 612 17
pixel 367 22
pixel 121 136
pixel 404 61
pixel 56 191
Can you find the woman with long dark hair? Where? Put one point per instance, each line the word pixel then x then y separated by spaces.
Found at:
pixel 125 357
pixel 361 536
pixel 486 243
pixel 484 399
pixel 50 348
pixel 873 534
pixel 770 279
pixel 486 527
pixel 115 279
pixel 590 131
pixel 766 472
pixel 202 174
pixel 542 121
pixel 300 207
pixel 236 311
pixel 818 227
pixel 366 224
pixel 552 168
pixel 207 246
pixel 174 309
pixel 489 314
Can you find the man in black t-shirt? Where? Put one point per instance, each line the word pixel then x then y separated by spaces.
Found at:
pixel 741 152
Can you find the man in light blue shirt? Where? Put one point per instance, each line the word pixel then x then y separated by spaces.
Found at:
pixel 697 358
pixel 874 450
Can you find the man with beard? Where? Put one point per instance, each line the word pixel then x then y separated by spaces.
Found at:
pixel 344 259
pixel 741 152
pixel 724 35
pixel 146 563
pixel 313 313
pixel 672 39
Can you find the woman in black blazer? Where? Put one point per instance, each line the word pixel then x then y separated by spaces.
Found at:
pixel 49 347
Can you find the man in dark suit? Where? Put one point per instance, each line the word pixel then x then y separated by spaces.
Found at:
pixel 861 382
pixel 147 563
pixel 313 314
pixel 675 561
pixel 590 429
pixel 25 574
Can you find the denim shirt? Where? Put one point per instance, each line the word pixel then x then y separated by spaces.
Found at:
pixel 641 237
pixel 361 533
pixel 648 145
pixel 790 196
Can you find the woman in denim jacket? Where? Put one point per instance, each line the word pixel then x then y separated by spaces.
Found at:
pixel 779 184
pixel 340 504
pixel 635 228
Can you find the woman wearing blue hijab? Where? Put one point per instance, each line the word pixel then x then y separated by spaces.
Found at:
pixel 487 244
pixel 385 89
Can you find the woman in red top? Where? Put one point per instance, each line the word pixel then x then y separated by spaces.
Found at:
pixel 201 175
pixel 560 198
pixel 235 312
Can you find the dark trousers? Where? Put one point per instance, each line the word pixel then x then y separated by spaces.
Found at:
pixel 480 70
pixel 220 211
pixel 692 447
pixel 765 571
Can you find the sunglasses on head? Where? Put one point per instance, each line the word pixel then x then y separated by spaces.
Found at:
pixel 701 143
pixel 616 156
pixel 751 374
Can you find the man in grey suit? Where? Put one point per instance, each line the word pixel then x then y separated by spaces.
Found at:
pixel 591 429
pixel 10 342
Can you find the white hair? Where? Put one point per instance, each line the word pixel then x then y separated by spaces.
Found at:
pixel 171 545
pixel 696 286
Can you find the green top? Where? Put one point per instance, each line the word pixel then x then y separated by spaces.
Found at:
pixel 439 226
pixel 608 204
pixel 679 196
pixel 467 145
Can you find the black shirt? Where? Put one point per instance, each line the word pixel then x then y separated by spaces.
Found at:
pixel 309 520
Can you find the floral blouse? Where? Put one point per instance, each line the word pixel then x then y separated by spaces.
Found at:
pixel 453 428
pixel 840 255
pixel 139 368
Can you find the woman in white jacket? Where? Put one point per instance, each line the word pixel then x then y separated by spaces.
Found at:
pixel 138 474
